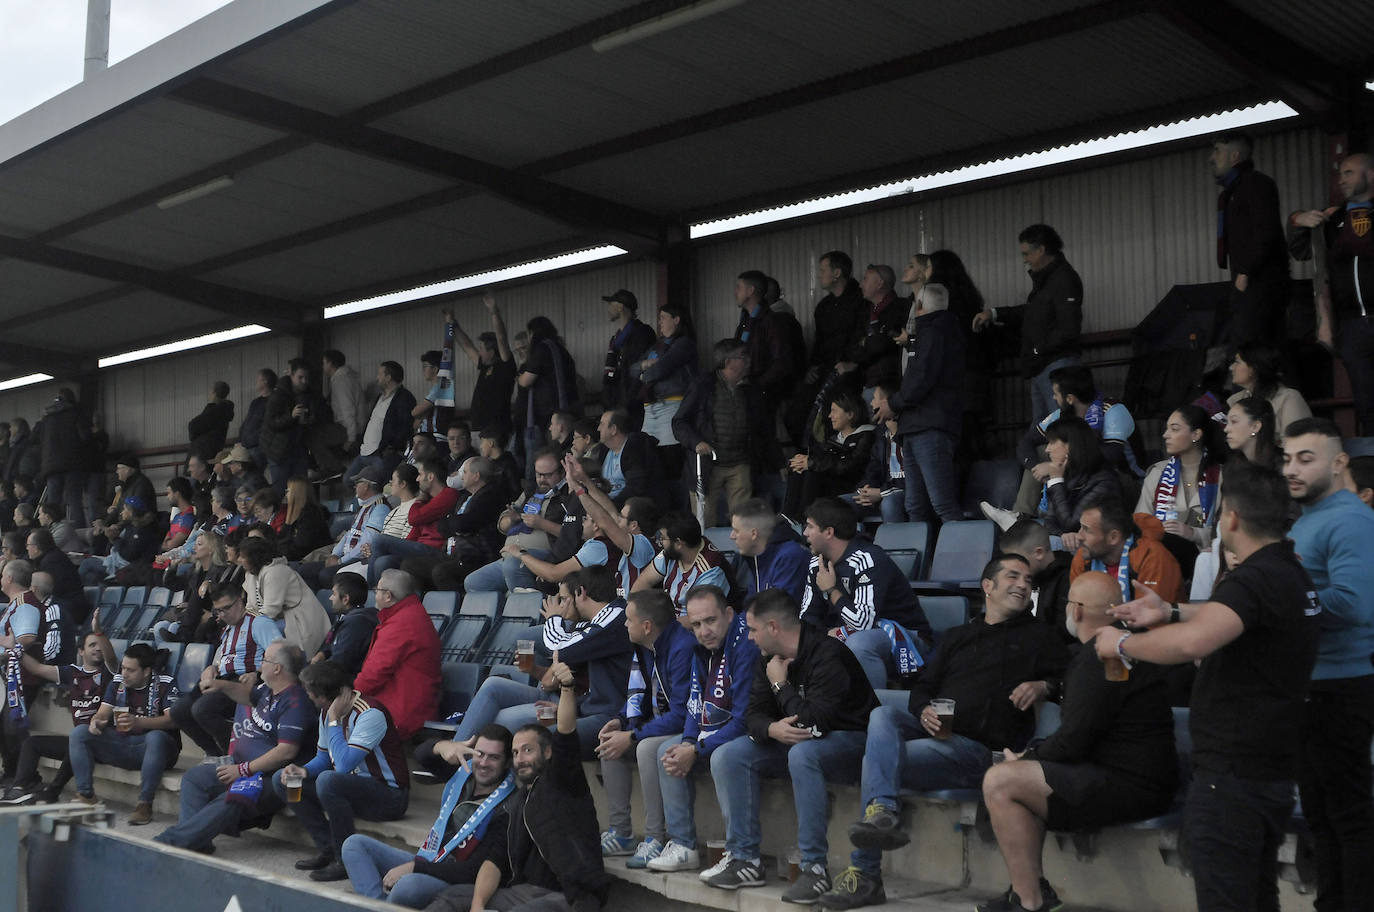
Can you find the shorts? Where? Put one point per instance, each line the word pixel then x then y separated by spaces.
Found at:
pixel 1087 797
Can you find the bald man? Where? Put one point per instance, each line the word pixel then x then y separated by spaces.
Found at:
pixel 1345 305
pixel 1111 761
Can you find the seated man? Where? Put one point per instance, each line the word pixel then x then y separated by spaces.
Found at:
pixel 596 550
pixel 271 727
pixel 771 556
pixel 807 713
pixel 1075 393
pixel 1111 761
pixel 206 714
pixel 436 501
pixel 546 856
pixel 359 769
pixel 723 665
pixel 84 682
pixel 533 523
pixel 995 668
pixel 584 625
pixel 1129 548
pixel 625 527
pixel 654 713
pixel 491 444
pixel 472 807
pixel 363 528
pixel 350 635
pixel 138 703
pixel 629 463
pixel 860 596
pixel 1049 571
pixel 401 668
pixel 688 560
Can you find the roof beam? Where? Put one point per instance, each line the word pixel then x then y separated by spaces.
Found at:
pixel 275 313
pixel 623 225
pixel 1302 78
pixel 40 360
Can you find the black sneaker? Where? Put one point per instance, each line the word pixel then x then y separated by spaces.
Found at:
pixel 20 794
pixel 811 884
pixel 880 829
pixel 332 871
pixel 852 889
pixel 314 862
pixel 48 794
pixel 1010 902
pixel 734 874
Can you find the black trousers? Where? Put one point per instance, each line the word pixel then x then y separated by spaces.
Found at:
pixel 1234 827
pixel 1337 799
pixel 54 747
pixel 207 719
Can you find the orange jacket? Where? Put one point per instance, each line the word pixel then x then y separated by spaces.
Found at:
pixel 1151 563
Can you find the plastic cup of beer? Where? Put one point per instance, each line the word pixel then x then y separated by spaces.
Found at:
pixel 292 781
pixel 546 713
pixel 944 712
pixel 1117 670
pixel 122 720
pixel 524 655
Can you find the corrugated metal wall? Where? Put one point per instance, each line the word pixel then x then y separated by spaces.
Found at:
pixel 1132 230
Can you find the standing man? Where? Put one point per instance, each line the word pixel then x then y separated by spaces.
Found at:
pixel 929 409
pixel 20 621
pixel 859 596
pixel 359 769
pixel 628 346
pixel 387 431
pixel 250 429
pixel 770 363
pixel 291 409
pixel 208 429
pixel 430 416
pixel 840 320
pixel 807 713
pixel 272 724
pixel 1257 639
pixel 880 359
pixel 1250 243
pixel 723 663
pixel 1332 538
pixel 1050 321
pixel 495 370
pixel 1345 305
pixel 343 391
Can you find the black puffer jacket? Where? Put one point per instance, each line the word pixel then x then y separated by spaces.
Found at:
pixel 1051 320
pixel 1065 501
pixel 60 437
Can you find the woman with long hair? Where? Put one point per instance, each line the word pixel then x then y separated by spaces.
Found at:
pixel 1080 476
pixel 966 302
pixel 547 383
pixel 836 465
pixel 1250 432
pixel 306 524
pixel 664 374
pixel 1181 490
pixel 1256 369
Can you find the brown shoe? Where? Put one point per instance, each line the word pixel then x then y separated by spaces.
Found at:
pixel 143 814
pixel 86 799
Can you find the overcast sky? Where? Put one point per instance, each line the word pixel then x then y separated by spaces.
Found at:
pixel 43 42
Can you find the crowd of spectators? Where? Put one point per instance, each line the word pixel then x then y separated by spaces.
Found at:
pixel 667 660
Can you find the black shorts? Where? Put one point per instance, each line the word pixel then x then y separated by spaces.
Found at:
pixel 1086 797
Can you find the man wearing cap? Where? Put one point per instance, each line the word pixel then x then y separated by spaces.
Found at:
pixel 629 345
pixel 878 358
pixel 132 483
pixel 365 526
pixel 243 470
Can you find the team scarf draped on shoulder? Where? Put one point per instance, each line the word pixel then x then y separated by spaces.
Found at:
pixel 435 848
pixel 1166 489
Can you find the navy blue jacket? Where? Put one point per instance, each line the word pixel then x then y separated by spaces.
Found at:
pixel 671 661
pixel 932 392
pixel 873 587
pixel 603 646
pixel 782 565
pixel 710 730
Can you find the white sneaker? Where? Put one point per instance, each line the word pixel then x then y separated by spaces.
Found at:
pixel 676 857
pixel 1004 519
pixel 647 851
pixel 716 868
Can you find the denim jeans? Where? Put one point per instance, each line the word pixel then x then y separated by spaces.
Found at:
pixel 388 551
pixel 367 860
pixel 511 704
pixel 680 795
pixel 331 800
pixel 204 812
pixel 504 574
pixel 932 486
pixel 892 507
pixel 737 766
pixel 1235 826
pixel 618 777
pixel 1042 390
pixel 900 754
pixel 152 753
pixel 874 651
pixel 296 463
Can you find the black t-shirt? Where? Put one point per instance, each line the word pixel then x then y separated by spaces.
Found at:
pixel 1248 698
pixel 547 360
pixel 491 395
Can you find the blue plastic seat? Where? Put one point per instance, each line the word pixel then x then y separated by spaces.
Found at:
pixel 961 552
pixel 944 612
pixel 907 544
pixel 194 658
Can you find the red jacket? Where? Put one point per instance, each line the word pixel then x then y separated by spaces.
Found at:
pixel 424 518
pixel 401 670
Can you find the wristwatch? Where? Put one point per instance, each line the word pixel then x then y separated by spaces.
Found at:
pixel 777 686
